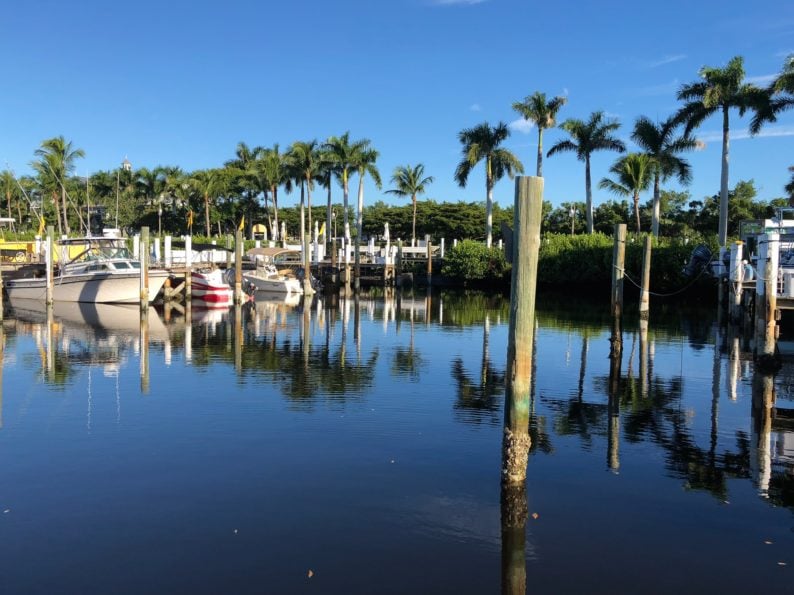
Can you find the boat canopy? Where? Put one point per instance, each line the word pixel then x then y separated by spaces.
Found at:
pixel 268 252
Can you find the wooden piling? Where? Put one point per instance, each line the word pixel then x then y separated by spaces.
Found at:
pixel 618 273
pixel 645 293
pixel 526 224
pixel 188 268
pixel 144 260
pixel 238 267
pixel 735 278
pixel 50 257
pixel 144 348
pixel 429 262
pixel 766 295
pixel 1 303
pixel 308 290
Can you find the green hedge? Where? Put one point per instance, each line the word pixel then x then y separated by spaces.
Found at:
pixel 472 263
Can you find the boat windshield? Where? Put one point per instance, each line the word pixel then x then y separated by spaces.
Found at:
pixel 104 251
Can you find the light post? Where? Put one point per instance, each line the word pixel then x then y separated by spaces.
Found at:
pixel 573 214
pixel 126 166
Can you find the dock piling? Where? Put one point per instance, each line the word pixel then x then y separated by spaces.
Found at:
pixel 144 260
pixel 49 264
pixel 526 223
pixel 238 267
pixel 735 278
pixel 645 293
pixel 618 272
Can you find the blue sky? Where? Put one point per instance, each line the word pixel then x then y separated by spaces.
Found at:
pixel 180 83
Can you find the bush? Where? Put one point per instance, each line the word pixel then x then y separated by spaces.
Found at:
pixel 471 262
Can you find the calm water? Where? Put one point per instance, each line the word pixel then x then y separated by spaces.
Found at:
pixel 355 448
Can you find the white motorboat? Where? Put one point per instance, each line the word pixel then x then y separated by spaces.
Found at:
pixel 97 270
pixel 267 276
pixel 211 287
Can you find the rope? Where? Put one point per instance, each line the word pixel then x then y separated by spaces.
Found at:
pixel 683 289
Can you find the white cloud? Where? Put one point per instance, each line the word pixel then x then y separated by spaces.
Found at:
pixel 761 80
pixel 713 136
pixel 521 125
pixel 475 107
pixel 665 60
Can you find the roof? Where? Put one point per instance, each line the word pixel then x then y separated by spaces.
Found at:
pixel 271 252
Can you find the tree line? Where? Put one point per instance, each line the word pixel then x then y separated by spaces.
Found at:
pixel 246 189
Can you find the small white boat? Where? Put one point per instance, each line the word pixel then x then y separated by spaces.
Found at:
pixel 267 276
pixel 97 270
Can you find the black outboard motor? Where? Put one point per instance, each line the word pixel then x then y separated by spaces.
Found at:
pixel 700 257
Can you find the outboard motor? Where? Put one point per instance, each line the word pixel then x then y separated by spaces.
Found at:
pixel 700 258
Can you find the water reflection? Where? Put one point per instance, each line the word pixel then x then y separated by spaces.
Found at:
pixel 681 405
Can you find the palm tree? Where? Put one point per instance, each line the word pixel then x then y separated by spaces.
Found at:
pixel 543 113
pixel 346 155
pixel 720 90
pixel 633 174
pixel 329 167
pixel 789 188
pixel 210 184
pixel 778 98
pixel 410 181
pixel 57 157
pixel 245 164
pixel 305 162
pixel 9 189
pixel 364 162
pixel 587 137
pixel 481 143
pixel 660 143
pixel 272 167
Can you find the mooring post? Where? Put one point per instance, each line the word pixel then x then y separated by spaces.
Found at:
pixel 50 257
pixel 735 278
pixel 618 272
pixel 766 295
pixel 238 267
pixel 144 260
pixel 645 293
pixel 307 269
pixel 526 226
pixel 429 262
pixel 188 268
pixel 770 326
pixel 167 255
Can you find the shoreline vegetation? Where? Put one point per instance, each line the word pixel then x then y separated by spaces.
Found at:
pixel 245 190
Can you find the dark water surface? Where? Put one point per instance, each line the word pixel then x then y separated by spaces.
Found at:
pixel 355 447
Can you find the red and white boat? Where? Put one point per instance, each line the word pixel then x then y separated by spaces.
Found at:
pixel 211 287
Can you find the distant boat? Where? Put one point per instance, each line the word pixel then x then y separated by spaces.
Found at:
pixel 267 276
pixel 102 271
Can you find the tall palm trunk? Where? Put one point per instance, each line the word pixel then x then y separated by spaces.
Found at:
pixel 637 209
pixel 303 213
pixel 65 212
pixel 346 198
pixel 588 184
pixel 360 211
pixel 309 204
pixel 57 211
pixel 657 206
pixel 275 231
pixel 488 204
pixel 723 228
pixel 413 228
pixel 328 217
pixel 207 213
pixel 540 152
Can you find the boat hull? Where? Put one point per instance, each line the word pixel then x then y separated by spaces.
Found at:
pixel 211 288
pixel 283 285
pixel 97 287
